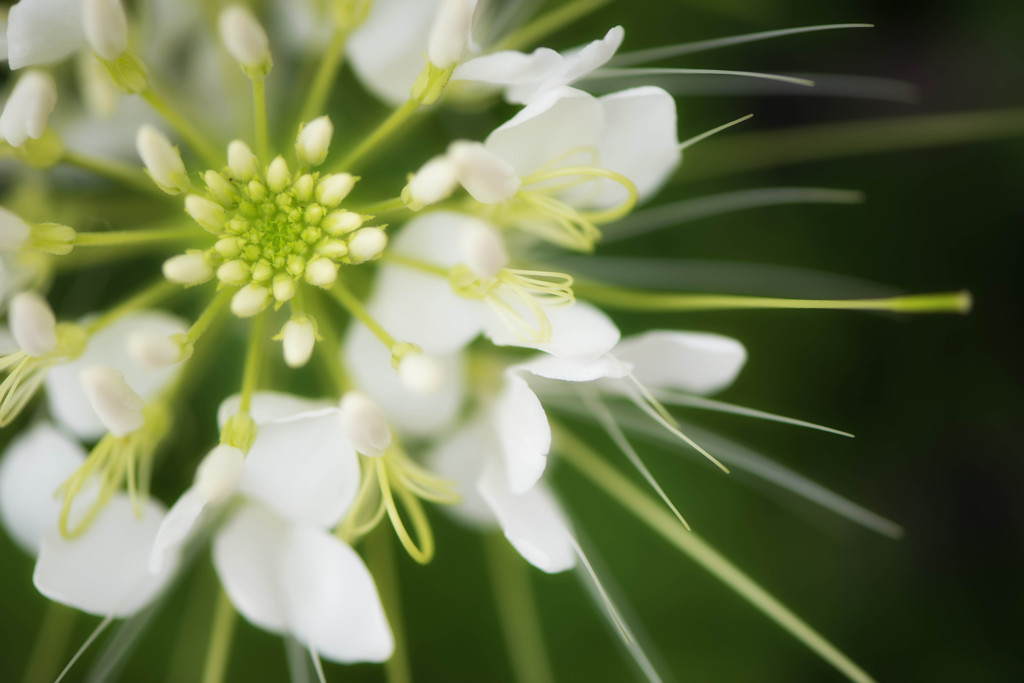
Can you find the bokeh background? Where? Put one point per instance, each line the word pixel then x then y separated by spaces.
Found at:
pixel 935 402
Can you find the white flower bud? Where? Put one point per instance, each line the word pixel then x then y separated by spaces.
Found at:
pixel 333 189
pixel 117 405
pixel 33 324
pixel 207 213
pixel 161 159
pixel 250 300
pixel 314 141
pixel 221 189
pixel 450 32
pixel 487 177
pixel 284 287
pixel 218 474
pixel 321 272
pixel 342 222
pixel 244 37
pixel 106 27
pixel 298 337
pixel 366 244
pixel 228 247
pixel 188 269
pixel 420 373
pixel 235 272
pixel 364 424
pixel 152 350
pixel 483 249
pixel 434 182
pixel 28 109
pixel 242 162
pixel 278 175
pixel 14 232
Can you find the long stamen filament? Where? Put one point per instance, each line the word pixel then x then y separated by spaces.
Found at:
pixel 548 23
pixel 706 134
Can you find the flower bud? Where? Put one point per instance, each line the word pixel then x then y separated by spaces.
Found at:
pixel 118 406
pixel 28 109
pixel 106 27
pixel 366 244
pixel 188 269
pixel 333 189
pixel 284 287
pixel 245 40
pixel 278 175
pixel 162 160
pixel 242 162
pixel 235 272
pixel 220 188
pixel 153 351
pixel 487 177
pixel 434 182
pixel 298 337
pixel 321 272
pixel 450 32
pixel 483 249
pixel 33 324
pixel 250 300
pixel 205 212
pixel 421 374
pixel 14 232
pixel 339 223
pixel 314 141
pixel 218 474
pixel 364 424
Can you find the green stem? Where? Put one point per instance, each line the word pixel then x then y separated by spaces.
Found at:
pixel 51 642
pixel 548 23
pixel 253 361
pixel 389 126
pixel 118 238
pixel 661 521
pixel 125 174
pixel 415 263
pixel 381 558
pixel 328 348
pixel 638 300
pixel 156 292
pixel 773 148
pixel 349 301
pixel 221 634
pixel 327 71
pixel 196 139
pixel 378 208
pixel 259 110
pixel 517 609
pixel 209 315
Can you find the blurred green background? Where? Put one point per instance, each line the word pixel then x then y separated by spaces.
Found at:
pixel 935 402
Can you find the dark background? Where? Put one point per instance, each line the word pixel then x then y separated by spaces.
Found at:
pixel 935 402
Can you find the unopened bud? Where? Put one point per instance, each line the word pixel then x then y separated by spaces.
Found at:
pixel 153 351
pixel 117 405
pixel 483 249
pixel 207 213
pixel 188 269
pixel 33 324
pixel 487 177
pixel 284 287
pixel 220 188
pixel 162 160
pixel 218 474
pixel 321 272
pixel 367 244
pixel 235 272
pixel 250 300
pixel 298 337
pixel 450 32
pixel 245 40
pixel 106 27
pixel 278 175
pixel 242 162
pixel 333 189
pixel 28 109
pixel 365 424
pixel 421 374
pixel 314 141
pixel 339 223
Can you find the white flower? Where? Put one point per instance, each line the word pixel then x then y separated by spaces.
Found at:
pixel 43 31
pixel 280 566
pixel 105 570
pixel 28 108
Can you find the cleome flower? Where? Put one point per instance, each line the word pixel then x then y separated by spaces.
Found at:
pixel 412 287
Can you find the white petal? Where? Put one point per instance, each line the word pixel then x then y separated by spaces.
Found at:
pixel 40 31
pixel 572 66
pixel 109 347
pixel 532 522
pixel 696 362
pixel 640 141
pixel 105 570
pixel 523 432
pixel 509 67
pixel 35 464
pixel 563 125
pixel 387 50
pixel 331 600
pixel 412 413
pixel 268 406
pixel 246 554
pixel 460 459
pixel 579 332
pixel 303 468
pixel 574 370
pixel 176 528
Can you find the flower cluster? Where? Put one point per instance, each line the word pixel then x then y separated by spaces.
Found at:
pixel 445 344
